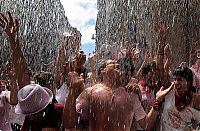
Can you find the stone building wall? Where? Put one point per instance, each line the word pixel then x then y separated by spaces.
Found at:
pixel 133 21
pixel 42 24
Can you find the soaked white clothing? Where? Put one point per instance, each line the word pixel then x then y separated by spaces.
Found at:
pixel 62 94
pixel 174 120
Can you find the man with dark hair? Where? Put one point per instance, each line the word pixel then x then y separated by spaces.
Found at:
pixel 108 106
pixel 127 67
pixel 148 84
pixel 181 106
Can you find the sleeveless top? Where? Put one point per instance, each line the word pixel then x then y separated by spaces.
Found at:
pixel 5 107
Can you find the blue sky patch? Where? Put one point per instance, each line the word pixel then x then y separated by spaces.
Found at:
pixel 87 5
pixel 88 48
pixel 90 22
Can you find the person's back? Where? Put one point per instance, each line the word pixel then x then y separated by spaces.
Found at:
pixel 107 109
pixel 113 110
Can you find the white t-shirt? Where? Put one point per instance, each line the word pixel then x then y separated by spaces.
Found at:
pixel 62 94
pixel 16 118
pixel 174 120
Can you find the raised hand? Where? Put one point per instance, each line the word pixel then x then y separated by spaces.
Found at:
pixel 162 29
pixel 74 80
pixel 132 88
pixel 131 52
pixel 80 59
pixel 163 92
pixel 167 51
pixel 10 25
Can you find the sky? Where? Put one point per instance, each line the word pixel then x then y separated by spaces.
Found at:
pixel 82 15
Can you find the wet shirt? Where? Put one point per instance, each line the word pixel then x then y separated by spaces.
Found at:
pixel 62 93
pixel 174 120
pixel 109 110
pixel 5 107
pixel 147 97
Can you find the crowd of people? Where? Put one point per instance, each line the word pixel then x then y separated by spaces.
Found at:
pixel 109 96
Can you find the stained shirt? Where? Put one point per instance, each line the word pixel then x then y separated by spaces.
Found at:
pixel 174 120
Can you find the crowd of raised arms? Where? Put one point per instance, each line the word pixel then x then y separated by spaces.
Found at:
pixel 109 96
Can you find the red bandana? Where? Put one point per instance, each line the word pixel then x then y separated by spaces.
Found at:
pixel 181 101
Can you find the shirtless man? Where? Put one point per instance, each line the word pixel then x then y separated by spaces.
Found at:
pixel 108 106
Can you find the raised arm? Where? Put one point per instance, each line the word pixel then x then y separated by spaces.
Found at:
pixel 167 65
pixel 11 27
pixel 14 87
pixel 162 35
pixel 60 66
pixel 76 86
pixel 143 63
pixel 156 107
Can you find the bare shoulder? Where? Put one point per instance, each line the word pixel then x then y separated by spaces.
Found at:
pixel 88 90
pixel 196 101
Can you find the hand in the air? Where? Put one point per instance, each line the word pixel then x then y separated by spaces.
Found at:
pixel 80 59
pixel 162 31
pixel 163 92
pixel 10 25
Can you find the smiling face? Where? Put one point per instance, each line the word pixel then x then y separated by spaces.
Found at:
pixel 181 84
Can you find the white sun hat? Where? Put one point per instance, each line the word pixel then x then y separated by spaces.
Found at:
pixel 32 99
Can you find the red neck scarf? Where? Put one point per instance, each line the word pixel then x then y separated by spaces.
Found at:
pixel 181 101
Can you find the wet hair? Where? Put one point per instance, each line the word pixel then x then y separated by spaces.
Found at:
pixel 149 67
pixel 127 67
pixel 187 74
pixel 42 78
pixel 101 66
